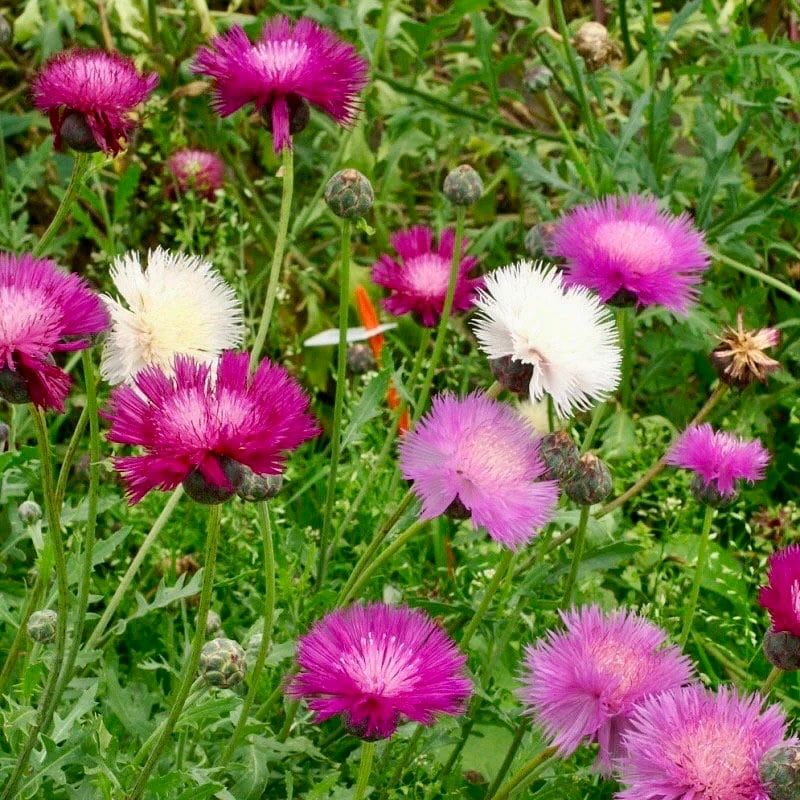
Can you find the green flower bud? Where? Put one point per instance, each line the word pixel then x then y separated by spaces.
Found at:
pixel 223 663
pixel 463 186
pixel 349 194
pixel 538 78
pixel 29 512
pixel 561 456
pixel 591 482
pixel 213 623
pixel 513 375
pixel 360 359
pixel 201 491
pixel 253 488
pixel 780 772
pixel 709 495
pixel 42 626
pixel 782 650
pixel 537 240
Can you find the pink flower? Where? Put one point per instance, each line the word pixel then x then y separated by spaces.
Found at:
pixel 291 65
pixel 376 665
pixel 197 170
pixel 719 459
pixel 98 88
pixel 693 744
pixel 418 280
pixel 626 248
pixel 781 596
pixel 200 424
pixel 44 311
pixel 479 456
pixel 583 684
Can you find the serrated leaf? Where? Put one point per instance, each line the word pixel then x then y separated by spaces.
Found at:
pixel 369 406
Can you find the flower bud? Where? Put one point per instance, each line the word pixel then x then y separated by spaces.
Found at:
pixel 590 483
pixel 739 358
pixel 5 432
pixel 513 375
pixel 457 510
pixel 537 240
pixel 780 772
pixel 463 186
pixel 594 45
pixel 782 650
pixel 5 31
pixel 202 491
pixel 29 512
pixel 42 626
pixel 299 114
pixel 13 386
pixel 561 456
pixel 360 359
pixel 349 194
pixel 223 663
pixel 709 495
pixel 76 133
pixel 538 78
pixel 213 623
pixel 254 488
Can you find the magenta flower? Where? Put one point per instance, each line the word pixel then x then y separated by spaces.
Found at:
pixel 781 596
pixel 693 744
pixel 476 457
pixel 196 170
pixel 582 684
pixel 44 311
pixel 93 92
pixel 628 249
pixel 719 459
pixel 199 426
pixel 291 65
pixel 376 665
pixel 418 280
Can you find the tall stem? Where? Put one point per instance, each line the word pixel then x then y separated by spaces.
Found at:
pixel 341 377
pixel 266 633
pixel 76 180
pixel 56 537
pixel 625 31
pixel 770 682
pixel 277 257
pixel 483 607
pixel 513 749
pixel 702 557
pixel 441 333
pixel 190 669
pixel 69 456
pixel 625 325
pixel 577 555
pixel 523 773
pixel 364 769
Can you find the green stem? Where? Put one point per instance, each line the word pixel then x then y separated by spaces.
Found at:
pixel 76 179
pixel 441 333
pixel 130 574
pixel 624 31
pixel 758 275
pixel 277 257
pixel 483 607
pixel 291 715
pixel 625 326
pixel 69 456
pixel 341 377
pixel 770 682
pixel 577 555
pixel 591 431
pixel 364 769
pixel 408 753
pixel 190 670
pixel 56 537
pixel 524 772
pixel 266 634
pixel 702 558
pixel 519 735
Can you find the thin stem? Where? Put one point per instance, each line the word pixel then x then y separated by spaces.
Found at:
pixel 511 754
pixel 341 377
pixel 624 30
pixel 770 682
pixel 69 456
pixel 625 326
pixel 597 417
pixel 524 772
pixel 702 557
pixel 758 275
pixel 483 607
pixel 130 574
pixel 56 537
pixel 190 669
pixel 441 333
pixel 577 555
pixel 408 753
pixel 364 769
pixel 76 180
pixel 277 257
pixel 266 633
pixel 291 714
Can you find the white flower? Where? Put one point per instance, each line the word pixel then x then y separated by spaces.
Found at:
pixel 566 335
pixel 177 305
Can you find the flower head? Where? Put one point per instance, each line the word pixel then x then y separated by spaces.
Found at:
pixel 626 248
pixel 290 66
pixel 564 337
pixel 693 743
pixel 176 304
pixel 93 93
pixel 418 279
pixel 44 311
pixel 195 423
pixel 739 358
pixel 781 596
pixel 196 170
pixel 582 684
pixel 376 665
pixel 480 455
pixel 719 459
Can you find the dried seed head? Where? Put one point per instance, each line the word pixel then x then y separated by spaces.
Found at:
pixel 739 358
pixel 349 194
pixel 42 626
pixel 590 483
pixel 463 186
pixel 223 663
pixel 594 45
pixel 782 650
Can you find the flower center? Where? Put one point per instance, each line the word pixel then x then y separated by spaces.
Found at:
pixel 642 248
pixel 382 666
pixel 28 322
pixel 623 666
pixel 428 274
pixel 486 454
pixel 281 59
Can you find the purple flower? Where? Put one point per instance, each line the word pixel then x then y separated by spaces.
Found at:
pixel 781 596
pixel 693 744
pixel 583 683
pixel 628 247
pixel 418 279
pixel 197 170
pixel 376 665
pixel 290 65
pixel 101 88
pixel 198 423
pixel 719 459
pixel 480 455
pixel 44 311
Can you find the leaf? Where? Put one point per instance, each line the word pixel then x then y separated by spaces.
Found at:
pixel 253 780
pixel 84 705
pixel 369 406
pixel 619 439
pixel 166 595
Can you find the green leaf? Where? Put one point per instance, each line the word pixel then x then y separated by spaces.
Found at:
pixel 369 406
